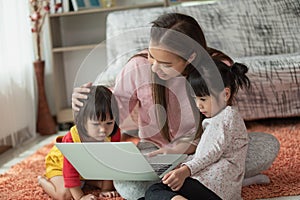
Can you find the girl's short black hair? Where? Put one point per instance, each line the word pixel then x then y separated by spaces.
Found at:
pixel 99 105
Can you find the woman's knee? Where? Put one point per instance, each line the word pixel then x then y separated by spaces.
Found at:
pixel 262 151
pixel 132 190
pixel 155 188
pixel 159 191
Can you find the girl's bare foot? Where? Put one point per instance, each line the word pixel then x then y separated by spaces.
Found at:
pixel 40 179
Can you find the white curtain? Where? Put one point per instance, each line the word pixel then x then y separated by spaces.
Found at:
pixel 17 97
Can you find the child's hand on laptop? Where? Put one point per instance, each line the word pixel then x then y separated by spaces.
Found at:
pixel 175 178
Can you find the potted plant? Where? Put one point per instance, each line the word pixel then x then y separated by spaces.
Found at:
pixel 39 10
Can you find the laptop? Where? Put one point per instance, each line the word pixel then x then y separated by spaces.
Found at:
pixel 117 161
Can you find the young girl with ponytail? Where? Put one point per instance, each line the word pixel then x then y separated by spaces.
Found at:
pixel 217 169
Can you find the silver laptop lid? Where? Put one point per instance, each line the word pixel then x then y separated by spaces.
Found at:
pixel 114 161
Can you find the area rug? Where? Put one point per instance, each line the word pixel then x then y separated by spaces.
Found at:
pixel 20 181
pixel 285 171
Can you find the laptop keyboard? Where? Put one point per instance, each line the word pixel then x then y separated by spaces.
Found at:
pixel 160 168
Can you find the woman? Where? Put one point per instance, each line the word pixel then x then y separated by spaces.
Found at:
pixel 153 84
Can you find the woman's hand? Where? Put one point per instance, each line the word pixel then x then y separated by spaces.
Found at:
pixel 109 194
pixel 80 93
pixel 163 150
pixel 175 178
pixel 177 148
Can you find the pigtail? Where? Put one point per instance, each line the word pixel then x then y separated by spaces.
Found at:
pixel 239 71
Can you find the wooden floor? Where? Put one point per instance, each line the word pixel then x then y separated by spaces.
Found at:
pixel 4 148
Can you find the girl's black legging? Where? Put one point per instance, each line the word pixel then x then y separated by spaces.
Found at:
pixel 192 189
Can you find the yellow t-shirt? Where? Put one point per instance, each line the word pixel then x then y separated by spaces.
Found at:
pixel 54 159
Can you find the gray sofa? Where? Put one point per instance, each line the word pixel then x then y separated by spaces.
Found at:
pixel 263 34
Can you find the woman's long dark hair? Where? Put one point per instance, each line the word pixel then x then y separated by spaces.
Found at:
pixel 99 105
pixel 181 34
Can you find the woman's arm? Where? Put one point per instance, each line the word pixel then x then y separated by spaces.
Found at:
pixel 127 84
pixel 189 148
pixel 177 148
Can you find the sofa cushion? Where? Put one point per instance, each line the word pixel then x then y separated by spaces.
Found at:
pixel 275 82
pixel 247 28
pixel 239 28
pixel 259 27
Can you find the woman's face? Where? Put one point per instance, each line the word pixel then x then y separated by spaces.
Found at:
pixel 165 64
